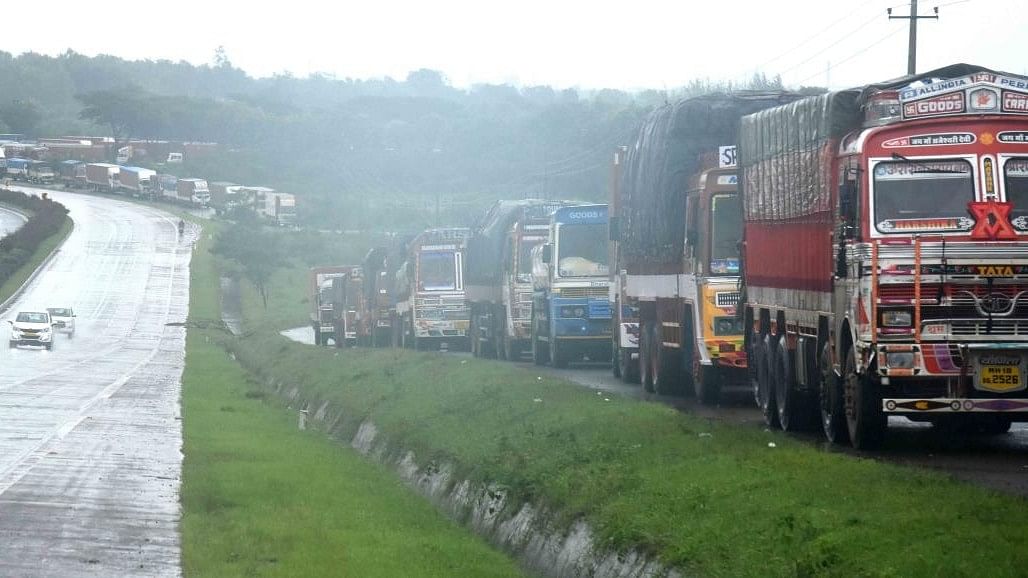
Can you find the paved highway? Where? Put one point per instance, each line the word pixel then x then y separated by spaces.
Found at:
pixel 90 433
pixel 9 221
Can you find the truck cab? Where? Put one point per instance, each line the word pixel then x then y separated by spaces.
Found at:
pixel 432 304
pixel 570 308
pixel 714 225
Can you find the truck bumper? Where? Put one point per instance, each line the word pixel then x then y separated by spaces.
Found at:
pixel 948 377
pixel 438 328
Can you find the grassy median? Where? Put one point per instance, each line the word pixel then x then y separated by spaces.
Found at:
pixel 38 256
pixel 261 498
pixel 714 499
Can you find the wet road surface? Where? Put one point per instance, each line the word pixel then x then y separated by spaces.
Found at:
pixel 90 433
pixel 10 221
pixel 998 462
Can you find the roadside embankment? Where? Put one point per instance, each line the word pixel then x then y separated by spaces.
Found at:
pixel 24 250
pixel 703 497
pixel 261 497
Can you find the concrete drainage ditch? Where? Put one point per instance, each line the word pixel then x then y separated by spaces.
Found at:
pixel 484 508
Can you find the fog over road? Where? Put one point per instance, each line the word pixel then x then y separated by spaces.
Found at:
pixel 9 221
pixel 90 433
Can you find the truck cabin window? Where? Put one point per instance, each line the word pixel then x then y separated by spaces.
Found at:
pixel 437 271
pixel 1015 174
pixel 582 251
pixel 725 234
pixel 908 194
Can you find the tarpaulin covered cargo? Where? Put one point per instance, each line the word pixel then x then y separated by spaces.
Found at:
pixel 784 155
pixel 667 152
pixel 484 255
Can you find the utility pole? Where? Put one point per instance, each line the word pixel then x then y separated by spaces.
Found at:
pixel 912 46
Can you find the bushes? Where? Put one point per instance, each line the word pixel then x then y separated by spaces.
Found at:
pixel 47 218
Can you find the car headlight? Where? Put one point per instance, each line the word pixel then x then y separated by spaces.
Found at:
pixel 896 318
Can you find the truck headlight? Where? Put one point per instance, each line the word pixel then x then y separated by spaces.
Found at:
pixel 899 360
pixel 896 318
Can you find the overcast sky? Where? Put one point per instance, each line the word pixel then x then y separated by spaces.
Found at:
pixel 563 43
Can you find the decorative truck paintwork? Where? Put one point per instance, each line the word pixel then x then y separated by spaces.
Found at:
pixel 886 255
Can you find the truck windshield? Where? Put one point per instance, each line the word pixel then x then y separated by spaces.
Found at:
pixel 909 194
pixel 437 271
pixel 1015 173
pixel 725 234
pixel 582 251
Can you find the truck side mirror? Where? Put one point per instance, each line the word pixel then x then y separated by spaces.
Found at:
pixel 691 238
pixel 547 253
pixel 614 229
pixel 848 206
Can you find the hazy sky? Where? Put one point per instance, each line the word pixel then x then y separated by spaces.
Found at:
pixel 599 43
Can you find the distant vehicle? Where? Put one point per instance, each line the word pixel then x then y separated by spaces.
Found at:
pixel 32 328
pixel 193 191
pixel 40 172
pixel 174 158
pixel 279 208
pixel 570 307
pixel 139 182
pixel 326 300
pixel 227 197
pixel 18 169
pixel 499 275
pixel 102 176
pixel 430 300
pixel 72 173
pixel 63 319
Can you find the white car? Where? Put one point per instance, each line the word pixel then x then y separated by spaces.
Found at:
pixel 63 319
pixel 32 328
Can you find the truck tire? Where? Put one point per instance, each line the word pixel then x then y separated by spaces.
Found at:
pixel 864 417
pixel 560 357
pixel 629 366
pixel 830 398
pixel 707 384
pixel 615 366
pixel 794 410
pixel 540 350
pixel 13 344
pixel 765 391
pixel 645 357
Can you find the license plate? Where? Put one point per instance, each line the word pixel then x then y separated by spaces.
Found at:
pixel 1000 373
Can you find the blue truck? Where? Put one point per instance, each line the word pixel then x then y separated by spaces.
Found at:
pixel 570 306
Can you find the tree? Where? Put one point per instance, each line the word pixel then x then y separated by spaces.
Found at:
pixel 21 116
pixel 257 252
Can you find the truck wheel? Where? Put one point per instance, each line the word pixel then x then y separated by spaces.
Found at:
pixel 13 344
pixel 511 349
pixel 864 418
pixel 793 409
pixel 765 387
pixel 503 347
pixel 559 356
pixel 646 357
pixel 50 346
pixel 629 366
pixel 540 352
pixel 317 335
pixel 833 410
pixel 707 384
pixel 667 370
pixel 616 361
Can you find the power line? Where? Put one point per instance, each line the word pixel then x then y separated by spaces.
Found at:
pixel 819 53
pixel 858 53
pixel 810 38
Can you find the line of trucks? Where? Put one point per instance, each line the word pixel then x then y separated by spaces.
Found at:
pixel 223 197
pixel 848 256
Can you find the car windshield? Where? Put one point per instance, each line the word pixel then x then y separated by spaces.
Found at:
pixel 437 271
pixel 725 234
pixel 1015 173
pixel 27 317
pixel 60 312
pixel 918 195
pixel 582 250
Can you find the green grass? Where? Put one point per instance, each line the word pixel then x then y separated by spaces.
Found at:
pixel 42 252
pixel 261 498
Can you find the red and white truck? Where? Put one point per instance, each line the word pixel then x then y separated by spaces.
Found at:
pixel 885 258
